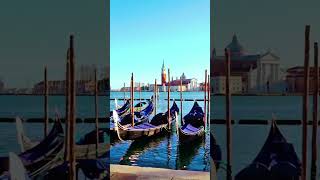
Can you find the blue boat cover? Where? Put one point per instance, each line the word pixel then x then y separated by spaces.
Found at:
pixel 194 117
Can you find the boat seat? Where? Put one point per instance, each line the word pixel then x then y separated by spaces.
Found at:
pixel 144 126
pixel 190 129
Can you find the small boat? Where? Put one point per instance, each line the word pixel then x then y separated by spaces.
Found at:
pixel 215 152
pixel 192 125
pixel 157 125
pixel 85 148
pixel 123 109
pixel 43 155
pixel 277 160
pixel 91 168
pixel 141 114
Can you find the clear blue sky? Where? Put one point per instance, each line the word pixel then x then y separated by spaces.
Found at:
pixel 274 24
pixel 144 32
pixel 35 33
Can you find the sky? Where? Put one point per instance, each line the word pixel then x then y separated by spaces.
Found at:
pixel 35 33
pixel 143 33
pixel 261 25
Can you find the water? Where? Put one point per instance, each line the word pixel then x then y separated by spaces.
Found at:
pixel 248 139
pixel 163 152
pixel 32 107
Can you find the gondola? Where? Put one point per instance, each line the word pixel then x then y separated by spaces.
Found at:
pixel 91 168
pixel 85 147
pixel 277 160
pixel 123 109
pixel 140 115
pixel 192 125
pixel 215 152
pixel 158 124
pixel 42 156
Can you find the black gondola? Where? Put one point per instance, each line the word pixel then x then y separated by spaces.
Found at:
pixel 158 124
pixel 277 160
pixel 192 125
pixel 215 152
pixel 39 158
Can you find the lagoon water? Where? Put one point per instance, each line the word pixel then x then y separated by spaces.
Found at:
pixel 163 152
pixel 32 107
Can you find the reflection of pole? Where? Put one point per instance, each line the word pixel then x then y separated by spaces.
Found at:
pixel 228 115
pixel 305 104
pixel 315 114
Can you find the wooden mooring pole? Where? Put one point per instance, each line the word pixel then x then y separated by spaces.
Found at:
pixel 155 96
pixel 205 99
pixel 315 114
pixel 96 111
pixel 181 116
pixel 124 92
pixel 305 103
pixel 169 121
pixel 67 108
pixel 72 167
pixel 132 99
pixel 209 98
pixel 140 94
pixel 228 116
pixel 46 121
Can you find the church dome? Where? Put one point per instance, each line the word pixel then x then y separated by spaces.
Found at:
pixel 235 47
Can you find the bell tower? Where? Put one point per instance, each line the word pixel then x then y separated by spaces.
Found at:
pixel 163 74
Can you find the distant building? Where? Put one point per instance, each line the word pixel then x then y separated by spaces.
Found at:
pixel 163 75
pixel 187 85
pixel 82 87
pixel 219 84
pixel 256 70
pixel 295 79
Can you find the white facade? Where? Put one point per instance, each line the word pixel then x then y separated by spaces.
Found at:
pixel 268 70
pixel 218 84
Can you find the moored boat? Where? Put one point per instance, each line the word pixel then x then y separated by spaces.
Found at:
pixel 158 124
pixel 277 160
pixel 192 125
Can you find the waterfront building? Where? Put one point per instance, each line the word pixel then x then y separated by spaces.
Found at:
pixel 257 71
pixel 219 84
pixel 59 87
pixel 187 85
pixel 295 79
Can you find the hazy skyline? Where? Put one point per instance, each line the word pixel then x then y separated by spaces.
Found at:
pixel 144 32
pixel 262 25
pixel 36 33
